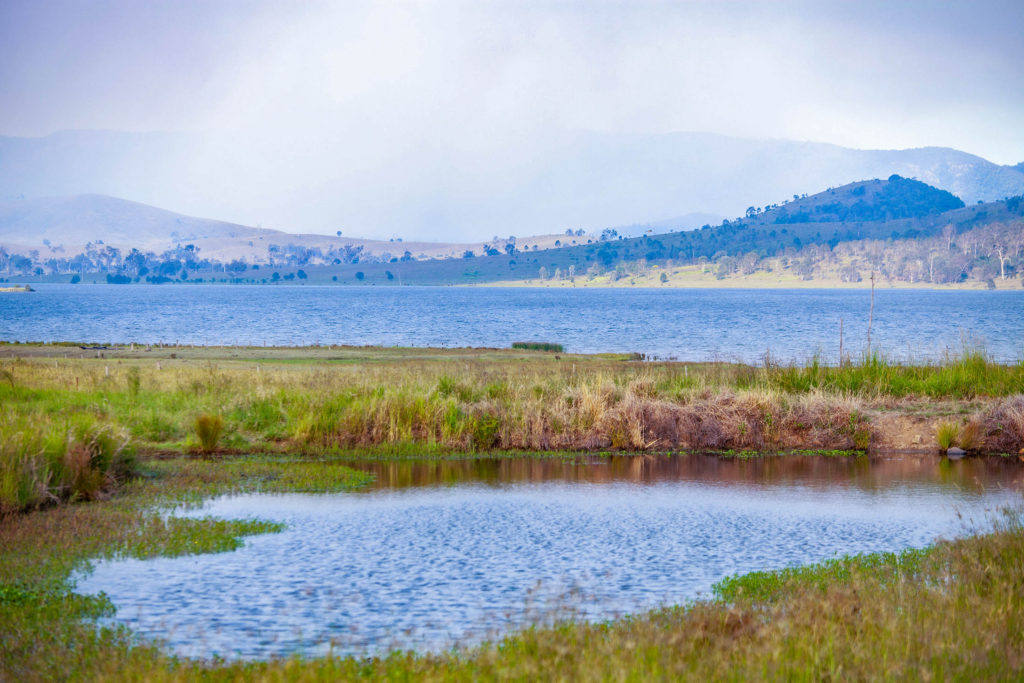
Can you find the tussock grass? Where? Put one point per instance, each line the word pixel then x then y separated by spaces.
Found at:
pixel 208 429
pixel 947 435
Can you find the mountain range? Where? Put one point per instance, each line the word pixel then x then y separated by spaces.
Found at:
pixel 577 180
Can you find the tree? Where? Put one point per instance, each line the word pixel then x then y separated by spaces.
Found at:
pixel 360 275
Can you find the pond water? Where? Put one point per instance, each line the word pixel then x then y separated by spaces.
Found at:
pixel 688 324
pixel 456 551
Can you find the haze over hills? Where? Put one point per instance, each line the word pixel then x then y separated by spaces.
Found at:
pixel 66 225
pixel 573 180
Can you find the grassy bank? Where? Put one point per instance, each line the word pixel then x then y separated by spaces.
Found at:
pixel 953 611
pixel 73 418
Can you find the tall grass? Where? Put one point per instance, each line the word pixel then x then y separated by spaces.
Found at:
pixel 964 376
pixel 466 403
pixel 45 461
pixel 947 435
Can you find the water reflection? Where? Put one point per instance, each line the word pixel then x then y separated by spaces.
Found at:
pixel 457 550
pixel 863 473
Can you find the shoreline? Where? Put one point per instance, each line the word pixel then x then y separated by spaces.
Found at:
pixel 329 399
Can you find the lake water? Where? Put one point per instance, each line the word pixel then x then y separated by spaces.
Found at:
pixel 457 551
pixel 668 323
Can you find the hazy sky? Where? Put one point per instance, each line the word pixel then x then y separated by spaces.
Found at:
pixel 341 90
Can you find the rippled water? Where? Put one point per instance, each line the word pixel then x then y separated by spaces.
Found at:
pixel 686 324
pixel 455 551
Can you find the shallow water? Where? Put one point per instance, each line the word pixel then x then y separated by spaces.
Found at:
pixel 452 551
pixel 688 324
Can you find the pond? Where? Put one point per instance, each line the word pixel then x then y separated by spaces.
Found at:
pixel 445 552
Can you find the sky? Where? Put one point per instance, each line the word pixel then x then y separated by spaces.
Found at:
pixel 391 102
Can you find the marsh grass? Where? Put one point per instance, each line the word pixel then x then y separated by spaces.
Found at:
pixel 45 460
pixel 382 401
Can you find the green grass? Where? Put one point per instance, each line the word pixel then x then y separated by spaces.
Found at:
pixel 965 376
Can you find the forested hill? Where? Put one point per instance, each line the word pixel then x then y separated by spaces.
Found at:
pixel 868 201
pixel 919 218
pixel 909 209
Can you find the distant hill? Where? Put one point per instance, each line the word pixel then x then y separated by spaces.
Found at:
pixel 868 201
pixel 575 180
pixel 63 226
pixel 901 228
pixel 920 242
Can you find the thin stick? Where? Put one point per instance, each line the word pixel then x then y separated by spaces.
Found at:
pixel 840 341
pixel 871 311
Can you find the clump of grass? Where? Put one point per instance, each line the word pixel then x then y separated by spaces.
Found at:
pixel 970 437
pixel 208 429
pixel 538 346
pixel 946 435
pixel 44 462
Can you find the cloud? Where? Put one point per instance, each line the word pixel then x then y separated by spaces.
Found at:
pixel 348 114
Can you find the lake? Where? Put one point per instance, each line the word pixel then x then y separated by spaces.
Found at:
pixel 442 552
pixel 686 324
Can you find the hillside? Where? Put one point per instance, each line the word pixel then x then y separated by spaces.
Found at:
pixel 575 180
pixel 928 242
pixel 907 230
pixel 863 202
